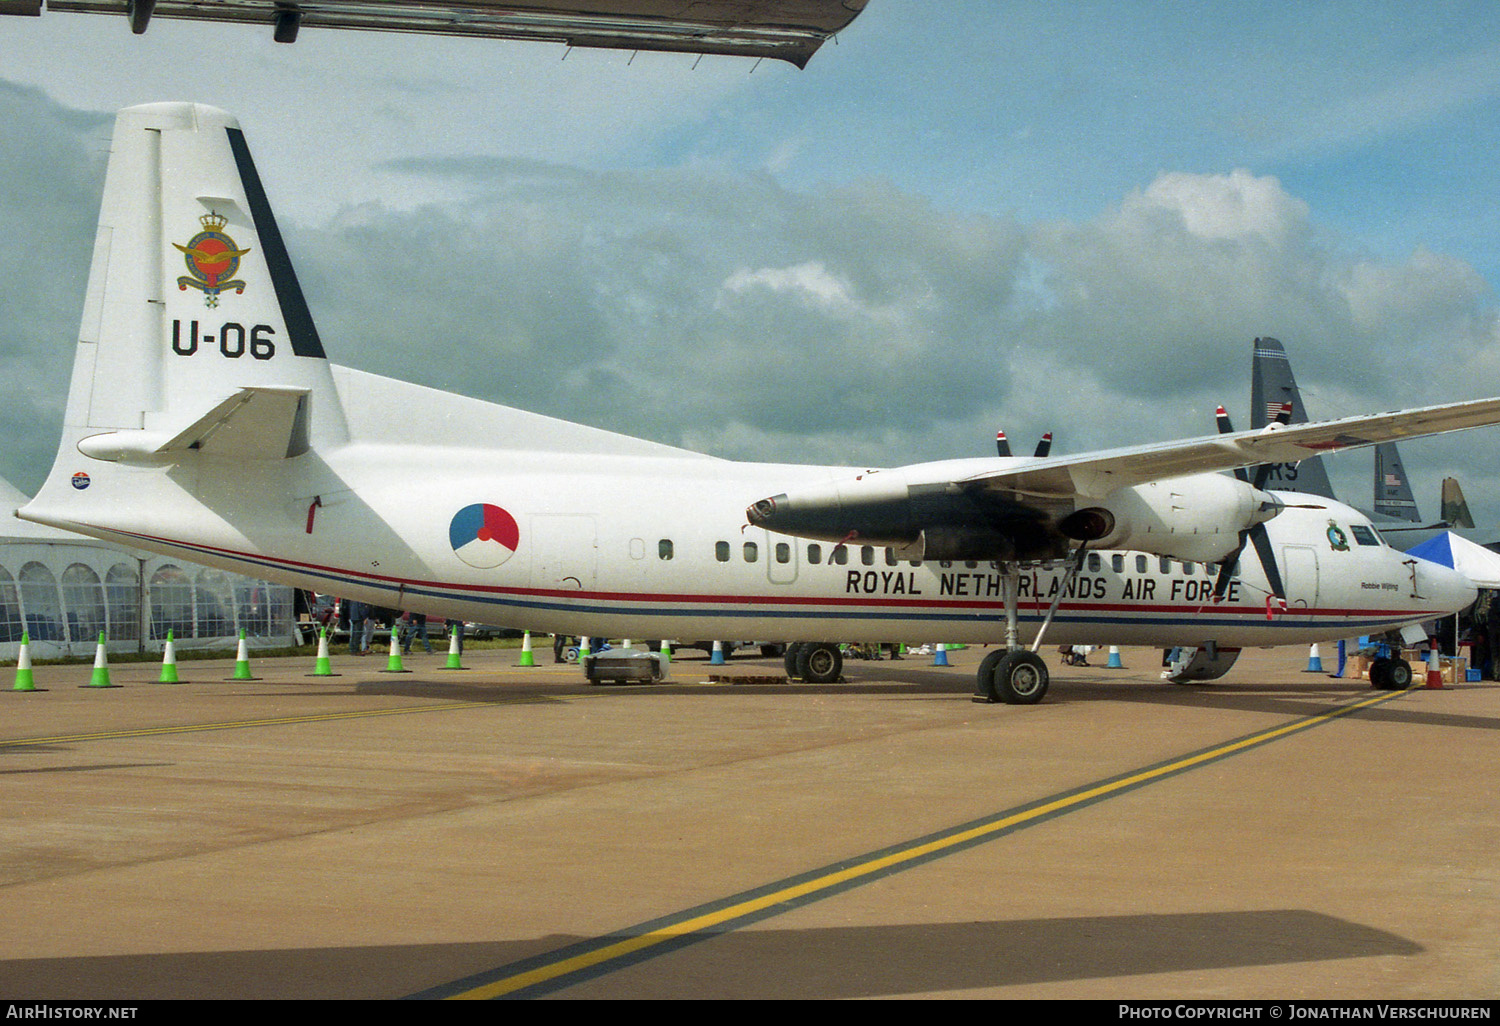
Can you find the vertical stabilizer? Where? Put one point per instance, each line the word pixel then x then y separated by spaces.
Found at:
pixel 1455 509
pixel 1271 386
pixel 191 296
pixel 1393 497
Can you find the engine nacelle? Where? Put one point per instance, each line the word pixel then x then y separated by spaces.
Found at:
pixel 1197 518
pixel 921 518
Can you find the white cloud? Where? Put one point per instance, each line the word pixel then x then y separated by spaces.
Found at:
pixel 810 280
pixel 856 324
pixel 1237 205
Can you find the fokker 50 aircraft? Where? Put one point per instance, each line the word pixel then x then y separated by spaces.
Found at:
pixel 204 420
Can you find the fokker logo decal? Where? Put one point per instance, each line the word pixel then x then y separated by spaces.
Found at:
pixel 212 259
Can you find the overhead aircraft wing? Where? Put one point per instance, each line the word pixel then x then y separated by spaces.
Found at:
pixel 1099 473
pixel 1166 497
pixel 788 30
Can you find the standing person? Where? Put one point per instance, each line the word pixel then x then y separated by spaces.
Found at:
pixel 359 623
pixel 415 627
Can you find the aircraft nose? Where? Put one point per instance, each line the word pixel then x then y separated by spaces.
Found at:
pixel 1446 588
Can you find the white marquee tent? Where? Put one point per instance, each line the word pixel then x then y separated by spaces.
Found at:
pixel 64 589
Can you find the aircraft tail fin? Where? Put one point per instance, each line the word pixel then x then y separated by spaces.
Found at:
pixel 196 343
pixel 1455 509
pixel 1271 387
pixel 191 296
pixel 1393 497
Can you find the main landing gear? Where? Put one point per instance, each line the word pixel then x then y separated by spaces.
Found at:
pixel 816 662
pixel 1015 675
pixel 1016 678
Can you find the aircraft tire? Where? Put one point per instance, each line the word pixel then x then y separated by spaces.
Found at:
pixel 819 662
pixel 1399 675
pixel 789 657
pixel 1380 674
pixel 986 686
pixel 1021 678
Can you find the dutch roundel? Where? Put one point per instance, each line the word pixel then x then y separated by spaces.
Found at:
pixel 483 535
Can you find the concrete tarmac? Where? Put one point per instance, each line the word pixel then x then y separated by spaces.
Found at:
pixel 499 831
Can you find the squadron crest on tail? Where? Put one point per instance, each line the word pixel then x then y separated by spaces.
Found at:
pixel 212 260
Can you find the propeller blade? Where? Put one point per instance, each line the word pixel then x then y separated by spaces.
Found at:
pixel 1001 444
pixel 1227 570
pixel 1267 556
pixel 1225 427
pixel 1262 472
pixel 1262 541
pixel 1045 445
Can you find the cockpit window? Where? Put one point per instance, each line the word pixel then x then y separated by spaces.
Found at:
pixel 1364 535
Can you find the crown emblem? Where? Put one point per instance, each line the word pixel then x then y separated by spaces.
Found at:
pixel 213 221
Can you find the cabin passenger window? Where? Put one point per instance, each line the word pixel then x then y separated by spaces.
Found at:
pixel 664 548
pixel 1141 563
pixel 1095 563
pixel 1117 562
pixel 1166 565
pixel 839 555
pixel 867 555
pixel 815 554
pixel 1188 569
pixel 721 551
pixel 890 557
pixel 1363 535
pixel 752 552
pixel 783 552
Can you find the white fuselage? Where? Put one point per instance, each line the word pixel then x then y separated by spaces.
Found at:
pixel 659 547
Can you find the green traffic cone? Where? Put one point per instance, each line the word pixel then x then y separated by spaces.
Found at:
pixel 24 681
pixel 527 659
pixel 323 666
pixel 455 659
pixel 393 664
pixel 100 679
pixel 169 662
pixel 666 652
pixel 242 661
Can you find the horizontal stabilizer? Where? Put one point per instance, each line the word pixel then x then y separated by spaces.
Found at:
pixel 253 424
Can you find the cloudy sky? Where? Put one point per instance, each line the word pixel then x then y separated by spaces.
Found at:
pixel 966 215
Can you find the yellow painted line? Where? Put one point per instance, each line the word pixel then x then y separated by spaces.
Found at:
pixel 891 861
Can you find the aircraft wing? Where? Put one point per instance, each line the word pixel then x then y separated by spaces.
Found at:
pixel 1099 473
pixel 789 30
pixel 1166 497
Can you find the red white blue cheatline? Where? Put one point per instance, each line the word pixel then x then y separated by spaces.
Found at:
pixel 483 535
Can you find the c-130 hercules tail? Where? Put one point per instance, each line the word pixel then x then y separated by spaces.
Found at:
pixel 205 421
